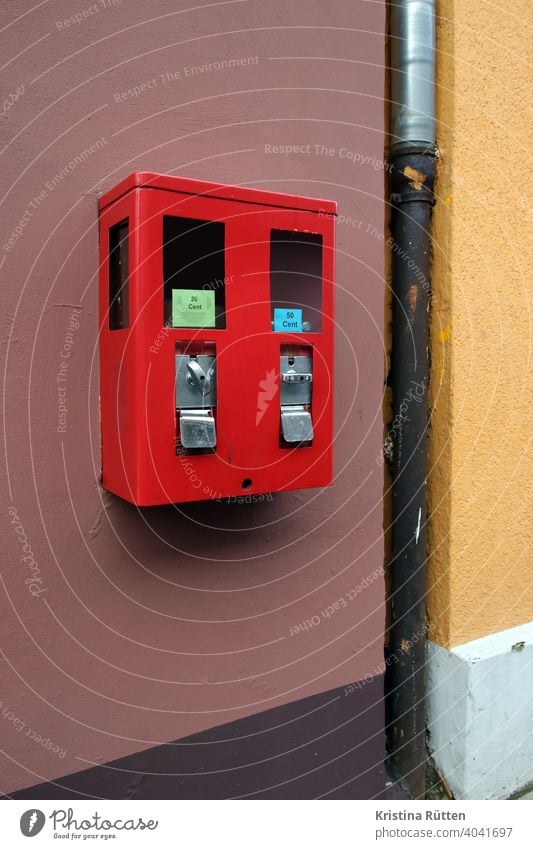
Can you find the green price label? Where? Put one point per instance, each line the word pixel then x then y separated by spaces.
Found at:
pixel 193 308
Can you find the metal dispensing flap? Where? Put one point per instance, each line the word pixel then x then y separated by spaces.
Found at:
pixel 197 429
pixel 296 424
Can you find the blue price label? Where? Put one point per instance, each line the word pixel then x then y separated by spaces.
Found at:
pixel 288 321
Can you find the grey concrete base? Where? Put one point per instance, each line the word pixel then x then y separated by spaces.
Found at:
pixel 480 713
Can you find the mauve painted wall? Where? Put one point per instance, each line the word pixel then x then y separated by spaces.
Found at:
pixel 162 622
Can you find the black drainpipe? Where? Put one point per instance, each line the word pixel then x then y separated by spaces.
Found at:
pixel 412 161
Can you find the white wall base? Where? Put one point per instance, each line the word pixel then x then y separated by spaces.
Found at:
pixel 480 713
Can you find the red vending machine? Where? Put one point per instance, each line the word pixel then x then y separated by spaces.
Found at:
pixel 216 340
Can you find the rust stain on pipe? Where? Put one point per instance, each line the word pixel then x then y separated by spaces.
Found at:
pixel 412 295
pixel 416 178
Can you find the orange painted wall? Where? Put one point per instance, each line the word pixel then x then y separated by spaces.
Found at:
pixel 480 480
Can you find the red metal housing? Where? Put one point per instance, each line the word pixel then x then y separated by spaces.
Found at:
pixel 142 460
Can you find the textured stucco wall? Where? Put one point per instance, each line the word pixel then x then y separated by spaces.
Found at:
pixel 160 623
pixel 480 482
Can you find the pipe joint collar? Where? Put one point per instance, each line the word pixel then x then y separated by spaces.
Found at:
pixel 412 177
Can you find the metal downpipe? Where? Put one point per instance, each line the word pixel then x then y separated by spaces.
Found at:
pixel 412 173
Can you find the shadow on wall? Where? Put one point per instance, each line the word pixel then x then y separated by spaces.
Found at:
pixel 222 534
